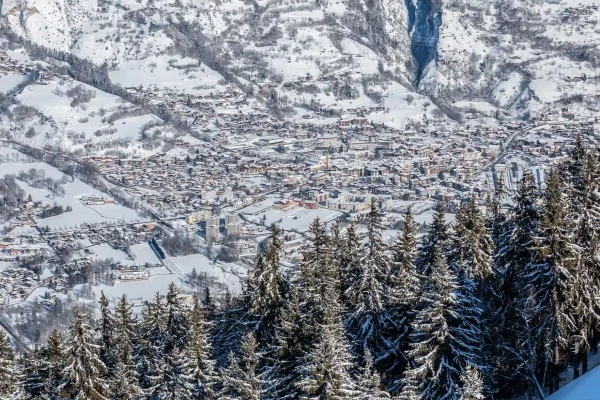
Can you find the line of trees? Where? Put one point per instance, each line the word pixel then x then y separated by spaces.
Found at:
pixel 493 306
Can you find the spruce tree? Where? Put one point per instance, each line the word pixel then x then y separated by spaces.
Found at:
pixel 84 370
pixel 153 334
pixel 411 389
pixel 440 347
pixel 33 369
pixel 54 354
pixel 549 282
pixel 436 241
pixel 176 328
pixel 209 305
pixel 325 374
pixel 123 385
pixel 240 378
pixel 106 333
pixel 8 372
pixel 515 254
pixel 165 367
pixel 124 332
pixel 369 381
pixel 175 379
pixel 404 280
pixel 402 301
pixel 583 177
pixel 350 262
pixel 471 257
pixel 366 319
pixel 229 327
pixel 289 349
pixel 473 248
pixel 268 291
pixel 338 251
pixel 314 280
pixel 202 367
pixel 124 381
pixel 472 385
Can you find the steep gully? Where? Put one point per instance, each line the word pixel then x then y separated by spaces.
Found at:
pixel 424 21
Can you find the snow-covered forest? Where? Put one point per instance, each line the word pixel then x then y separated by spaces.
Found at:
pixel 496 305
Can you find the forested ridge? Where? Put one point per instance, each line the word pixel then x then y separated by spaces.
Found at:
pixel 497 304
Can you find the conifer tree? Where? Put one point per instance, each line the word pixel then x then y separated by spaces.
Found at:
pixel 436 241
pixel 369 381
pixel 240 378
pixel 473 248
pixel 338 250
pixel 202 367
pixel 402 299
pixel 124 332
pixel 583 176
pixel 229 327
pixel 440 347
pixel 404 280
pixel 54 354
pixel 176 328
pixel 209 305
pixel 174 380
pixel 290 347
pixel 268 291
pixel 350 262
pixel 410 389
pixel 165 367
pixel 472 385
pixel 153 335
pixel 125 379
pixel 471 256
pixel 366 319
pixel 515 254
pixel 32 382
pixel 8 372
pixel 84 370
pixel 106 328
pixel 314 281
pixel 549 282
pixel 123 385
pixel 325 374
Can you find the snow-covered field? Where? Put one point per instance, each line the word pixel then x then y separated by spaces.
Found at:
pixel 74 191
pixel 228 274
pixel 185 75
pixel 296 219
pixel 137 291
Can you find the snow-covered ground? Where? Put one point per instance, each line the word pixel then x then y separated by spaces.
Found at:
pixel 137 291
pixel 228 274
pixel 74 191
pixel 586 387
pixel 296 219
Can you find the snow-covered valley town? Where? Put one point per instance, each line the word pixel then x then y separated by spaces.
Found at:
pixel 196 161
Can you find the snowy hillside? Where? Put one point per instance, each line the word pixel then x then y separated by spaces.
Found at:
pixel 312 60
pixel 522 56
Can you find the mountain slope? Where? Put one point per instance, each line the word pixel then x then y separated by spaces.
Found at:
pixel 320 59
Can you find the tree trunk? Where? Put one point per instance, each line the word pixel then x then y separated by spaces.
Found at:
pixel 584 362
pixel 555 378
